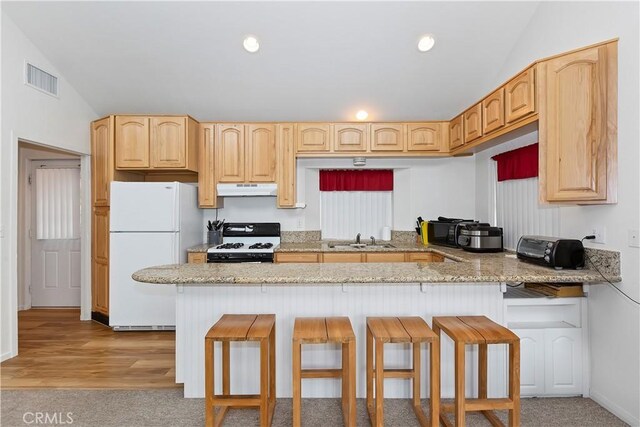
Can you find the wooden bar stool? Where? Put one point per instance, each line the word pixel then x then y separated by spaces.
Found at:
pixel 241 327
pixel 413 330
pixel 482 331
pixel 322 330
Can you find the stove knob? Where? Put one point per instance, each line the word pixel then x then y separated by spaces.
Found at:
pixel 547 251
pixel 546 258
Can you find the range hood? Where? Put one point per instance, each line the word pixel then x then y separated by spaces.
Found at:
pixel 244 190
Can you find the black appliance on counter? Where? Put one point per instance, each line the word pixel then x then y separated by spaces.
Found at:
pixel 246 242
pixel 551 251
pixel 480 238
pixel 445 231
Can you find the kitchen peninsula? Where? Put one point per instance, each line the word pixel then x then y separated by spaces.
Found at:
pixel 465 283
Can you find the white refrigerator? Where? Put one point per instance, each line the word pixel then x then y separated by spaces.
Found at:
pixel 152 223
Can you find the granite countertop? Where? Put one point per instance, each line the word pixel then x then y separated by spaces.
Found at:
pixel 469 268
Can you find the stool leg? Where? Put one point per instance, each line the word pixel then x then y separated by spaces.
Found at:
pixel 460 392
pixel 264 382
pixel 344 396
pixel 514 383
pixel 226 368
pixel 416 374
pixel 434 399
pixel 482 371
pixel 272 370
pixel 352 383
pixel 297 392
pixel 436 330
pixel 369 372
pixel 209 409
pixel 379 383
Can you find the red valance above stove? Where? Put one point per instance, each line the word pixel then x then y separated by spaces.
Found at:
pixel 518 164
pixel 356 180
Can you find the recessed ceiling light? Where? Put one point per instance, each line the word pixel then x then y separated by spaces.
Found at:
pixel 362 115
pixel 426 42
pixel 251 44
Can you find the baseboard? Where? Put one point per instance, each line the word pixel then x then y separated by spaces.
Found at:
pixel 100 318
pixel 6 356
pixel 615 409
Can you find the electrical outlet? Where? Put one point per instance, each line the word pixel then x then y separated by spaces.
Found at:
pixel 600 233
pixel 634 238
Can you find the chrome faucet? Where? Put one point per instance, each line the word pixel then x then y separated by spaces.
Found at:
pixel 373 241
pixel 358 239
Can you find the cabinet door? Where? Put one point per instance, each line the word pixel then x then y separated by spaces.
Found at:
pixel 168 142
pixel 207 197
pixel 350 137
pixel 578 126
pixel 424 136
pixel 313 137
pixel 132 142
pixel 196 258
pixel 101 162
pixel 261 153
pixel 520 97
pixel 473 123
pixel 493 111
pixel 302 257
pixel 100 287
pixel 343 257
pixel 385 257
pixel 286 166
pixel 387 137
pixel 456 136
pixel 532 360
pixel 563 361
pixel 230 153
pixel 101 234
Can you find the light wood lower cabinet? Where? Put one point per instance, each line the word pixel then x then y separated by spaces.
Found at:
pixel 100 260
pixel 354 257
pixel 197 258
pixel 297 257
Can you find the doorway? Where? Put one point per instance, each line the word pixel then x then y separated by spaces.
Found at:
pixel 50 224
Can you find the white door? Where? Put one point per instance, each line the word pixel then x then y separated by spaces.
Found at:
pixel 532 377
pixel 55 233
pixel 563 367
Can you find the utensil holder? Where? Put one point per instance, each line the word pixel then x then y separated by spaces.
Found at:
pixel 214 237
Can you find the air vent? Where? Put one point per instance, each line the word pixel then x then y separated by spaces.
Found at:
pixel 41 80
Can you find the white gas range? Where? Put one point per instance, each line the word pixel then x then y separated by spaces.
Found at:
pixel 246 242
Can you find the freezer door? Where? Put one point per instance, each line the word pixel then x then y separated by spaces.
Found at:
pixel 144 206
pixel 133 303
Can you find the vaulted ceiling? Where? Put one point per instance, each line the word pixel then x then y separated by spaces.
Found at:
pixel 317 61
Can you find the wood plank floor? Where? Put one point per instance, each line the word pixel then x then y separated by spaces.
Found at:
pixel 57 350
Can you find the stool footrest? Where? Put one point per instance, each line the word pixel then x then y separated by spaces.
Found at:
pixel 480 404
pixel 397 373
pixel 321 373
pixel 236 400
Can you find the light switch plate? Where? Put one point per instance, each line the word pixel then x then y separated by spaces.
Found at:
pixel 634 238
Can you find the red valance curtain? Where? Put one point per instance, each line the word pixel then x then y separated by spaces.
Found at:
pixel 518 164
pixel 356 180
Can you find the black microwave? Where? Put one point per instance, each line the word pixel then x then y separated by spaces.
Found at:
pixel 445 231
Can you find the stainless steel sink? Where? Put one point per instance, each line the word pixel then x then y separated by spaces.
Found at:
pixel 359 245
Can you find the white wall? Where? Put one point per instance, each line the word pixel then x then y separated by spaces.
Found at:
pixel 30 115
pixel 613 320
pixel 427 187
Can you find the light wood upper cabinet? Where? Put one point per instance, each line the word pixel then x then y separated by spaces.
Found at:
pixel 456 135
pixel 132 142
pixel 520 96
pixel 388 137
pixel 425 136
pixel 207 193
pixel 169 138
pixel 230 154
pixel 313 137
pixel 493 111
pixel 101 160
pixel 473 123
pixel 261 153
pixel 578 126
pixel 350 137
pixel 286 166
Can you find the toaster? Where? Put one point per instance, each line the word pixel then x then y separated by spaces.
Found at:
pixel 551 251
pixel 480 238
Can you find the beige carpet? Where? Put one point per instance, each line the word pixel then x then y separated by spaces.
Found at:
pixel 167 408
